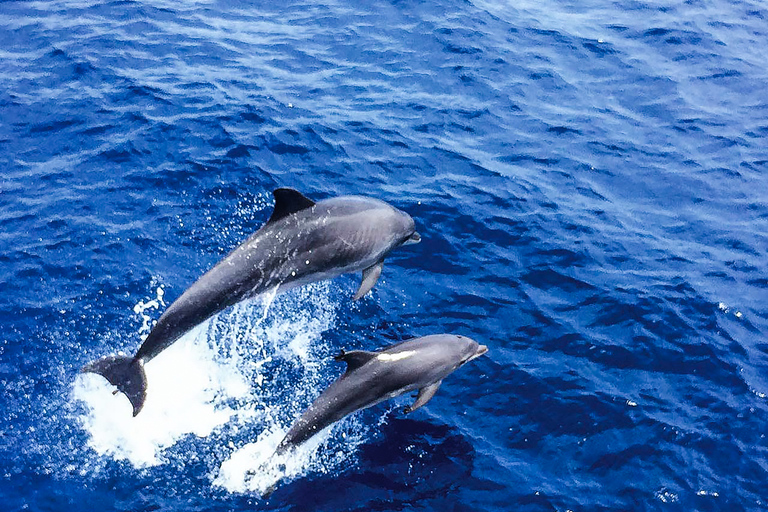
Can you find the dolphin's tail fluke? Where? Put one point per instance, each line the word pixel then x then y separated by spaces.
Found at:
pixel 127 374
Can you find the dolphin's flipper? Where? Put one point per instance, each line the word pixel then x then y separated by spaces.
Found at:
pixel 425 395
pixel 287 202
pixel 370 276
pixel 127 374
pixel 355 358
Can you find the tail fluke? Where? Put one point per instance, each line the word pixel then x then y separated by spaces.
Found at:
pixel 127 374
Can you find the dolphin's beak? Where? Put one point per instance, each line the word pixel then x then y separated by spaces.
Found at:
pixel 413 239
pixel 481 349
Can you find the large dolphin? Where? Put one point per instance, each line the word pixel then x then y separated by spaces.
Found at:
pixel 302 242
pixel 371 377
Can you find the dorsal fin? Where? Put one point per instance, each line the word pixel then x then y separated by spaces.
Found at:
pixel 355 358
pixel 287 202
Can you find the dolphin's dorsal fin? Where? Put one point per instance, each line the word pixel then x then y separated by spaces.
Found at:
pixel 425 395
pixel 287 202
pixel 355 358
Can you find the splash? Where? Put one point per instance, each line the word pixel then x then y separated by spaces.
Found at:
pixel 153 304
pixel 186 385
pixel 245 375
pixel 288 374
pixel 256 468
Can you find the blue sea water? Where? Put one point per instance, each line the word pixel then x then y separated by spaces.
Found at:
pixel 589 179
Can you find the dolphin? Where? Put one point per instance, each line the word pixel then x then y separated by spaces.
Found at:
pixel 372 377
pixel 302 242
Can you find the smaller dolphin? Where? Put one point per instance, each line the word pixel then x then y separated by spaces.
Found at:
pixel 372 377
pixel 302 242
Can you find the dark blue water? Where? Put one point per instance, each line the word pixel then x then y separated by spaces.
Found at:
pixel 589 179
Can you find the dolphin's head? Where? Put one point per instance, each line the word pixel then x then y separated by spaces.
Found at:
pixel 398 225
pixel 433 357
pixel 471 349
pixel 408 229
pixel 371 227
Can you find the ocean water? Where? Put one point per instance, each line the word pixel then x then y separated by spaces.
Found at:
pixel 589 179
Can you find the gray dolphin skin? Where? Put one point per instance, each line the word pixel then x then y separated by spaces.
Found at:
pixel 371 377
pixel 303 242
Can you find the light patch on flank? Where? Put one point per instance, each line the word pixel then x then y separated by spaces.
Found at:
pixel 397 356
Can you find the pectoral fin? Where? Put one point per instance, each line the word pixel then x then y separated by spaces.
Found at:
pixel 370 276
pixel 425 395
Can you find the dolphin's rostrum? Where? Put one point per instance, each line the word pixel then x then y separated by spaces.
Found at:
pixel 371 377
pixel 303 242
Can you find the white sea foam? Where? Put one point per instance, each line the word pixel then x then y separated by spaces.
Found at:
pixel 186 385
pixel 233 371
pixel 256 468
